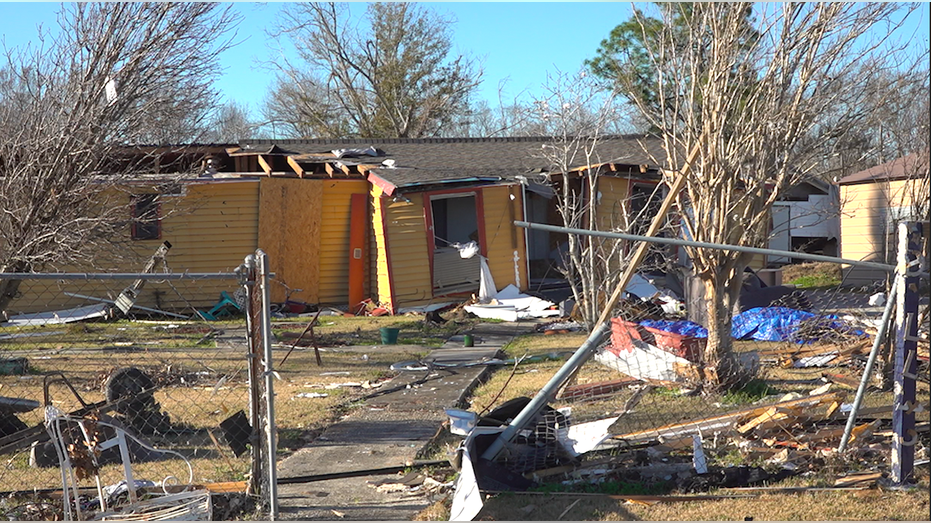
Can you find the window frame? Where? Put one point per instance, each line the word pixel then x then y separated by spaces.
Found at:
pixel 139 228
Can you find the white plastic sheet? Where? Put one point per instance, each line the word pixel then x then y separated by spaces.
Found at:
pixel 467 498
pixel 486 285
pixel 584 437
pixel 511 305
pixel 58 317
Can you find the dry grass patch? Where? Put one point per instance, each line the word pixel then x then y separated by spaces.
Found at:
pixel 877 504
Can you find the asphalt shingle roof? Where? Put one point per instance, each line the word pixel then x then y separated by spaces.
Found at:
pixel 899 169
pixel 425 160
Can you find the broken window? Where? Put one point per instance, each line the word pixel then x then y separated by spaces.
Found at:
pixel 454 220
pixel 146 217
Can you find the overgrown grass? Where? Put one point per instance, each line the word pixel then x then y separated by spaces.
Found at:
pixel 812 275
pixel 816 281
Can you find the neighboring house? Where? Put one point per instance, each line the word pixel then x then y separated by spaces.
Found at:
pixel 345 220
pixel 806 220
pixel 873 202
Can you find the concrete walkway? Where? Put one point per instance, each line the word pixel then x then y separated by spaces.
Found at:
pixel 388 430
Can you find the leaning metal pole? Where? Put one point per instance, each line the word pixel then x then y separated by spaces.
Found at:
pixel 868 370
pixel 529 412
pixel 265 328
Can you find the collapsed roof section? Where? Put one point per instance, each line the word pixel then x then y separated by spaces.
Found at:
pixel 399 165
pixel 412 165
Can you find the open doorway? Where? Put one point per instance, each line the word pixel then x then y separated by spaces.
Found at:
pixel 454 221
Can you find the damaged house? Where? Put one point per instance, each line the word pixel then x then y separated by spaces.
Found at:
pixel 425 201
pixel 346 220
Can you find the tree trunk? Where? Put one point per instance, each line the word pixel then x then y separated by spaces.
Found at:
pixel 718 359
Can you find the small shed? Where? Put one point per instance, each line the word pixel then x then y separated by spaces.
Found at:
pixel 873 202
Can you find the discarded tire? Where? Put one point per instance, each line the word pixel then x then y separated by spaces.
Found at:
pixel 133 388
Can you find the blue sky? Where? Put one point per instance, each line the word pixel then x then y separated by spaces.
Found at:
pixel 518 42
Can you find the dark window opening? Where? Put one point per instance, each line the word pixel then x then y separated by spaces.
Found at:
pixel 146 219
pixel 644 206
pixel 454 221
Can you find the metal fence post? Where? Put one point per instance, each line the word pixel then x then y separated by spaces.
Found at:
pixel 906 352
pixel 269 373
pixel 254 343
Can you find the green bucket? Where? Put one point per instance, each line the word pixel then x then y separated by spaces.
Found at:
pixel 389 335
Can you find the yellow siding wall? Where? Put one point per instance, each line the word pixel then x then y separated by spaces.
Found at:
pixel 407 245
pixel 212 228
pixel 863 227
pixel 334 239
pixel 379 278
pixel 215 228
pixel 611 207
pixel 507 251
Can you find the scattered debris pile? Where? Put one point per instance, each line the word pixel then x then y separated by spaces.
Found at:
pixel 743 451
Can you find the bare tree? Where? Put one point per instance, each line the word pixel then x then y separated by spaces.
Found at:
pixel 70 110
pixel 394 77
pixel 230 124
pixel 761 100
pixel 576 112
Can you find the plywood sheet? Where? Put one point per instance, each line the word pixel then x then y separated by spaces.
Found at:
pixel 290 215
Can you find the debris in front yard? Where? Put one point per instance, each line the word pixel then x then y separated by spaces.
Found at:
pixel 9 407
pixel 238 432
pixel 13 366
pixel 311 395
pixel 642 361
pixel 559 327
pixel 461 422
pixel 784 324
pixel 509 304
pixel 583 437
pixel 815 355
pixel 601 389
pixel 138 407
pixel 86 312
pixel 729 422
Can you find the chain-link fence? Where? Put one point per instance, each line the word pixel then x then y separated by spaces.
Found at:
pixel 148 369
pixel 797 363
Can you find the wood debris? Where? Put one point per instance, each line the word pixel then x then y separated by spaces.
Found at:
pixel 731 421
pixel 816 354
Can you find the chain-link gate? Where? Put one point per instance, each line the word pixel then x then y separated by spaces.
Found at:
pixel 125 387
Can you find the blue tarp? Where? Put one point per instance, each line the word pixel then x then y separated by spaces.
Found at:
pixel 684 328
pixel 782 324
pixel 761 323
